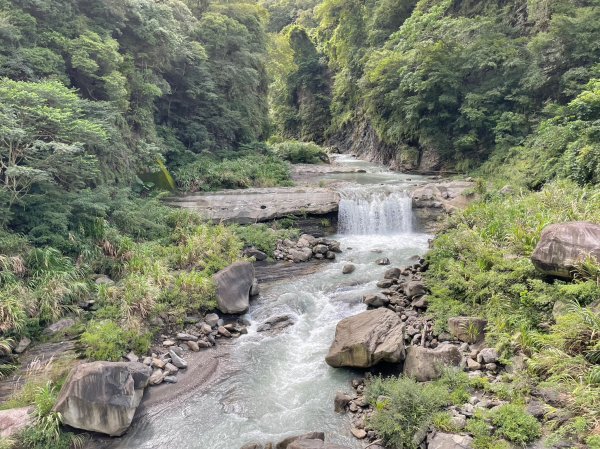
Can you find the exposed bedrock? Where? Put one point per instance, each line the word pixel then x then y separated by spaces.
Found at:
pixel 257 205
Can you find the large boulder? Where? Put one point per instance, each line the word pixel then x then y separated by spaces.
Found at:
pixel 363 340
pixel 562 246
pixel 103 396
pixel 467 328
pixel 233 287
pixel 424 364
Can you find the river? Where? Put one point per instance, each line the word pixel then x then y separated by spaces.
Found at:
pixel 280 384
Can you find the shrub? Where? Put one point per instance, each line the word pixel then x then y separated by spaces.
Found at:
pixel 241 172
pixel 301 152
pixel 207 248
pixel 264 237
pixel 403 408
pixel 515 424
pixel 106 340
pixel 192 292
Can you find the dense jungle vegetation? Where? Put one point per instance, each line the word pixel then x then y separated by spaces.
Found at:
pixel 104 105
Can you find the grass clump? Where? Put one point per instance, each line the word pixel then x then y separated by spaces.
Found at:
pixel 236 171
pixel 264 237
pixel 106 340
pixel 515 424
pixel 298 152
pixel 46 433
pixel 404 408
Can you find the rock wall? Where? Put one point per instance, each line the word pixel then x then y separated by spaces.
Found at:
pixel 361 139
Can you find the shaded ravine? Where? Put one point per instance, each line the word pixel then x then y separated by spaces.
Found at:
pixel 275 385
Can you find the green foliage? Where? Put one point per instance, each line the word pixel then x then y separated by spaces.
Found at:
pixel 106 340
pixel 46 432
pixel 480 266
pixel 253 170
pixel 469 80
pixel 264 237
pixel 300 100
pixel 515 424
pixel 301 152
pixel 404 408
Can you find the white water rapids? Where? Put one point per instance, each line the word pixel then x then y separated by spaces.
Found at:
pixel 280 384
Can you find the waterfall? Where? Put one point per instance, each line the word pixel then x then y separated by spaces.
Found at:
pixel 375 210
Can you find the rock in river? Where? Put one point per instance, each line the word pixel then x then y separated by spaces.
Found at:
pixel 363 340
pixel 233 287
pixel 103 396
pixel 562 246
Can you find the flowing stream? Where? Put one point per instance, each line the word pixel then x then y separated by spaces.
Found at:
pixel 281 384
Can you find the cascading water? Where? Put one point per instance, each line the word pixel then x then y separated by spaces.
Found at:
pixel 368 210
pixel 278 385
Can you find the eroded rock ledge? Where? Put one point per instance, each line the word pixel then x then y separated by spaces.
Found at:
pixel 258 205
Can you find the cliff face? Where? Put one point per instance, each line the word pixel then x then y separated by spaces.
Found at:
pixel 360 139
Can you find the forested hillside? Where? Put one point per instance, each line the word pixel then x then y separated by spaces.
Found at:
pixel 447 84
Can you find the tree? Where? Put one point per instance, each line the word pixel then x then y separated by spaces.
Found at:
pixel 46 139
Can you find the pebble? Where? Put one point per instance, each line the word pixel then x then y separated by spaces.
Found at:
pixel 358 433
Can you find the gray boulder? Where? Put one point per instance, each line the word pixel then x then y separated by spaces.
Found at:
pixel 14 420
pixel 376 300
pixel 488 355
pixel 284 444
pixel 363 340
pixel 467 329
pixel 103 396
pixel 414 288
pixel 23 345
pixel 233 287
pixel 341 401
pixel 392 273
pixel 211 319
pixel 440 440
pixel 348 268
pixel 423 364
pixel 562 246
pixel 257 254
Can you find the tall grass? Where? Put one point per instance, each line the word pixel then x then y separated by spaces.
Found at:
pixel 481 266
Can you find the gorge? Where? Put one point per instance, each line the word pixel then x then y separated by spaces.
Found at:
pixel 274 385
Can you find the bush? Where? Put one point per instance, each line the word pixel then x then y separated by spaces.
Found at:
pixel 242 172
pixel 264 237
pixel 106 340
pixel 515 424
pixel 403 408
pixel 301 152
